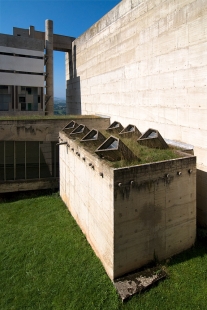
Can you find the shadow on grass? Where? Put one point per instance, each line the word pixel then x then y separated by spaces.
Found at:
pixel 199 249
pixel 11 197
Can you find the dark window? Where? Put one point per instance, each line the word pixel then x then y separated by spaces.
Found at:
pixel 23 106
pixel 29 90
pixel 3 87
pixel 21 99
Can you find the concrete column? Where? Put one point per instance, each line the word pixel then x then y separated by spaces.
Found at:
pixel 31 31
pixel 49 106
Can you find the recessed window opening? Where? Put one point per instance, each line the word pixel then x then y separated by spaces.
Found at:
pixel 153 134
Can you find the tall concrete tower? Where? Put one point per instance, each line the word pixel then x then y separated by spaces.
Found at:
pixel 49 104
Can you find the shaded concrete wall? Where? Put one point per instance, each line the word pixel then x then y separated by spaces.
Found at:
pixel 89 197
pixel 156 215
pixel 145 62
pixel 127 224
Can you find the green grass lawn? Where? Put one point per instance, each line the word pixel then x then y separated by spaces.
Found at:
pixel 46 263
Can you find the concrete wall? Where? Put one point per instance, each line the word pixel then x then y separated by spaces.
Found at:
pixel 89 197
pixel 21 42
pixel 60 42
pixel 145 62
pixel 128 225
pixel 155 217
pixel 29 157
pixel 43 129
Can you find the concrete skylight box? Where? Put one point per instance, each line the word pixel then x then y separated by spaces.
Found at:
pixel 114 149
pixel 79 132
pixel 70 127
pixel 130 214
pixel 115 127
pixel 94 137
pixel 152 138
pixel 131 132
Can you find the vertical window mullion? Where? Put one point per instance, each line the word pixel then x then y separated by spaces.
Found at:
pixel 25 160
pixel 4 161
pixel 39 159
pixel 14 161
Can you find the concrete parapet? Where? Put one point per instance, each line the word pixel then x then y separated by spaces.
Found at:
pixel 21 42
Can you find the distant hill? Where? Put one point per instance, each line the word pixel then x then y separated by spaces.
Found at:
pixel 59 106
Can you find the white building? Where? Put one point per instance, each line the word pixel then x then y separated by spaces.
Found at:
pixel 21 75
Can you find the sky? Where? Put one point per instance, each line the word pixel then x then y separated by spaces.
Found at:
pixel 70 18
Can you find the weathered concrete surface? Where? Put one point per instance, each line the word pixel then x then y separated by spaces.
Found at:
pixel 154 212
pixel 19 186
pixel 145 63
pixel 88 196
pixel 138 282
pixel 43 129
pixel 129 215
pixel 49 103
pixel 7 40
pixel 60 42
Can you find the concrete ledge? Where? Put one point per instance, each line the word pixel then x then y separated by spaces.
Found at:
pixel 27 185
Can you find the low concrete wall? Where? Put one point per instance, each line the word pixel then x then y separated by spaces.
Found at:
pixel 129 215
pixel 43 129
pixel 35 184
pixel 28 153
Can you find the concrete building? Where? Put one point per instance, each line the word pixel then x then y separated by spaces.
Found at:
pixel 145 63
pixel 26 70
pixel 21 75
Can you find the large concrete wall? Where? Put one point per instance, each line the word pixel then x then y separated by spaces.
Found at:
pixel 145 63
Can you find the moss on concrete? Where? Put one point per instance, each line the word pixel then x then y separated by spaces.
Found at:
pixel 40 117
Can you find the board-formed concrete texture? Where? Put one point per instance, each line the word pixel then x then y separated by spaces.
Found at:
pixel 129 215
pixel 145 63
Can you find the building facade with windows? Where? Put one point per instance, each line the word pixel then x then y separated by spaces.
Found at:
pixel 22 76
